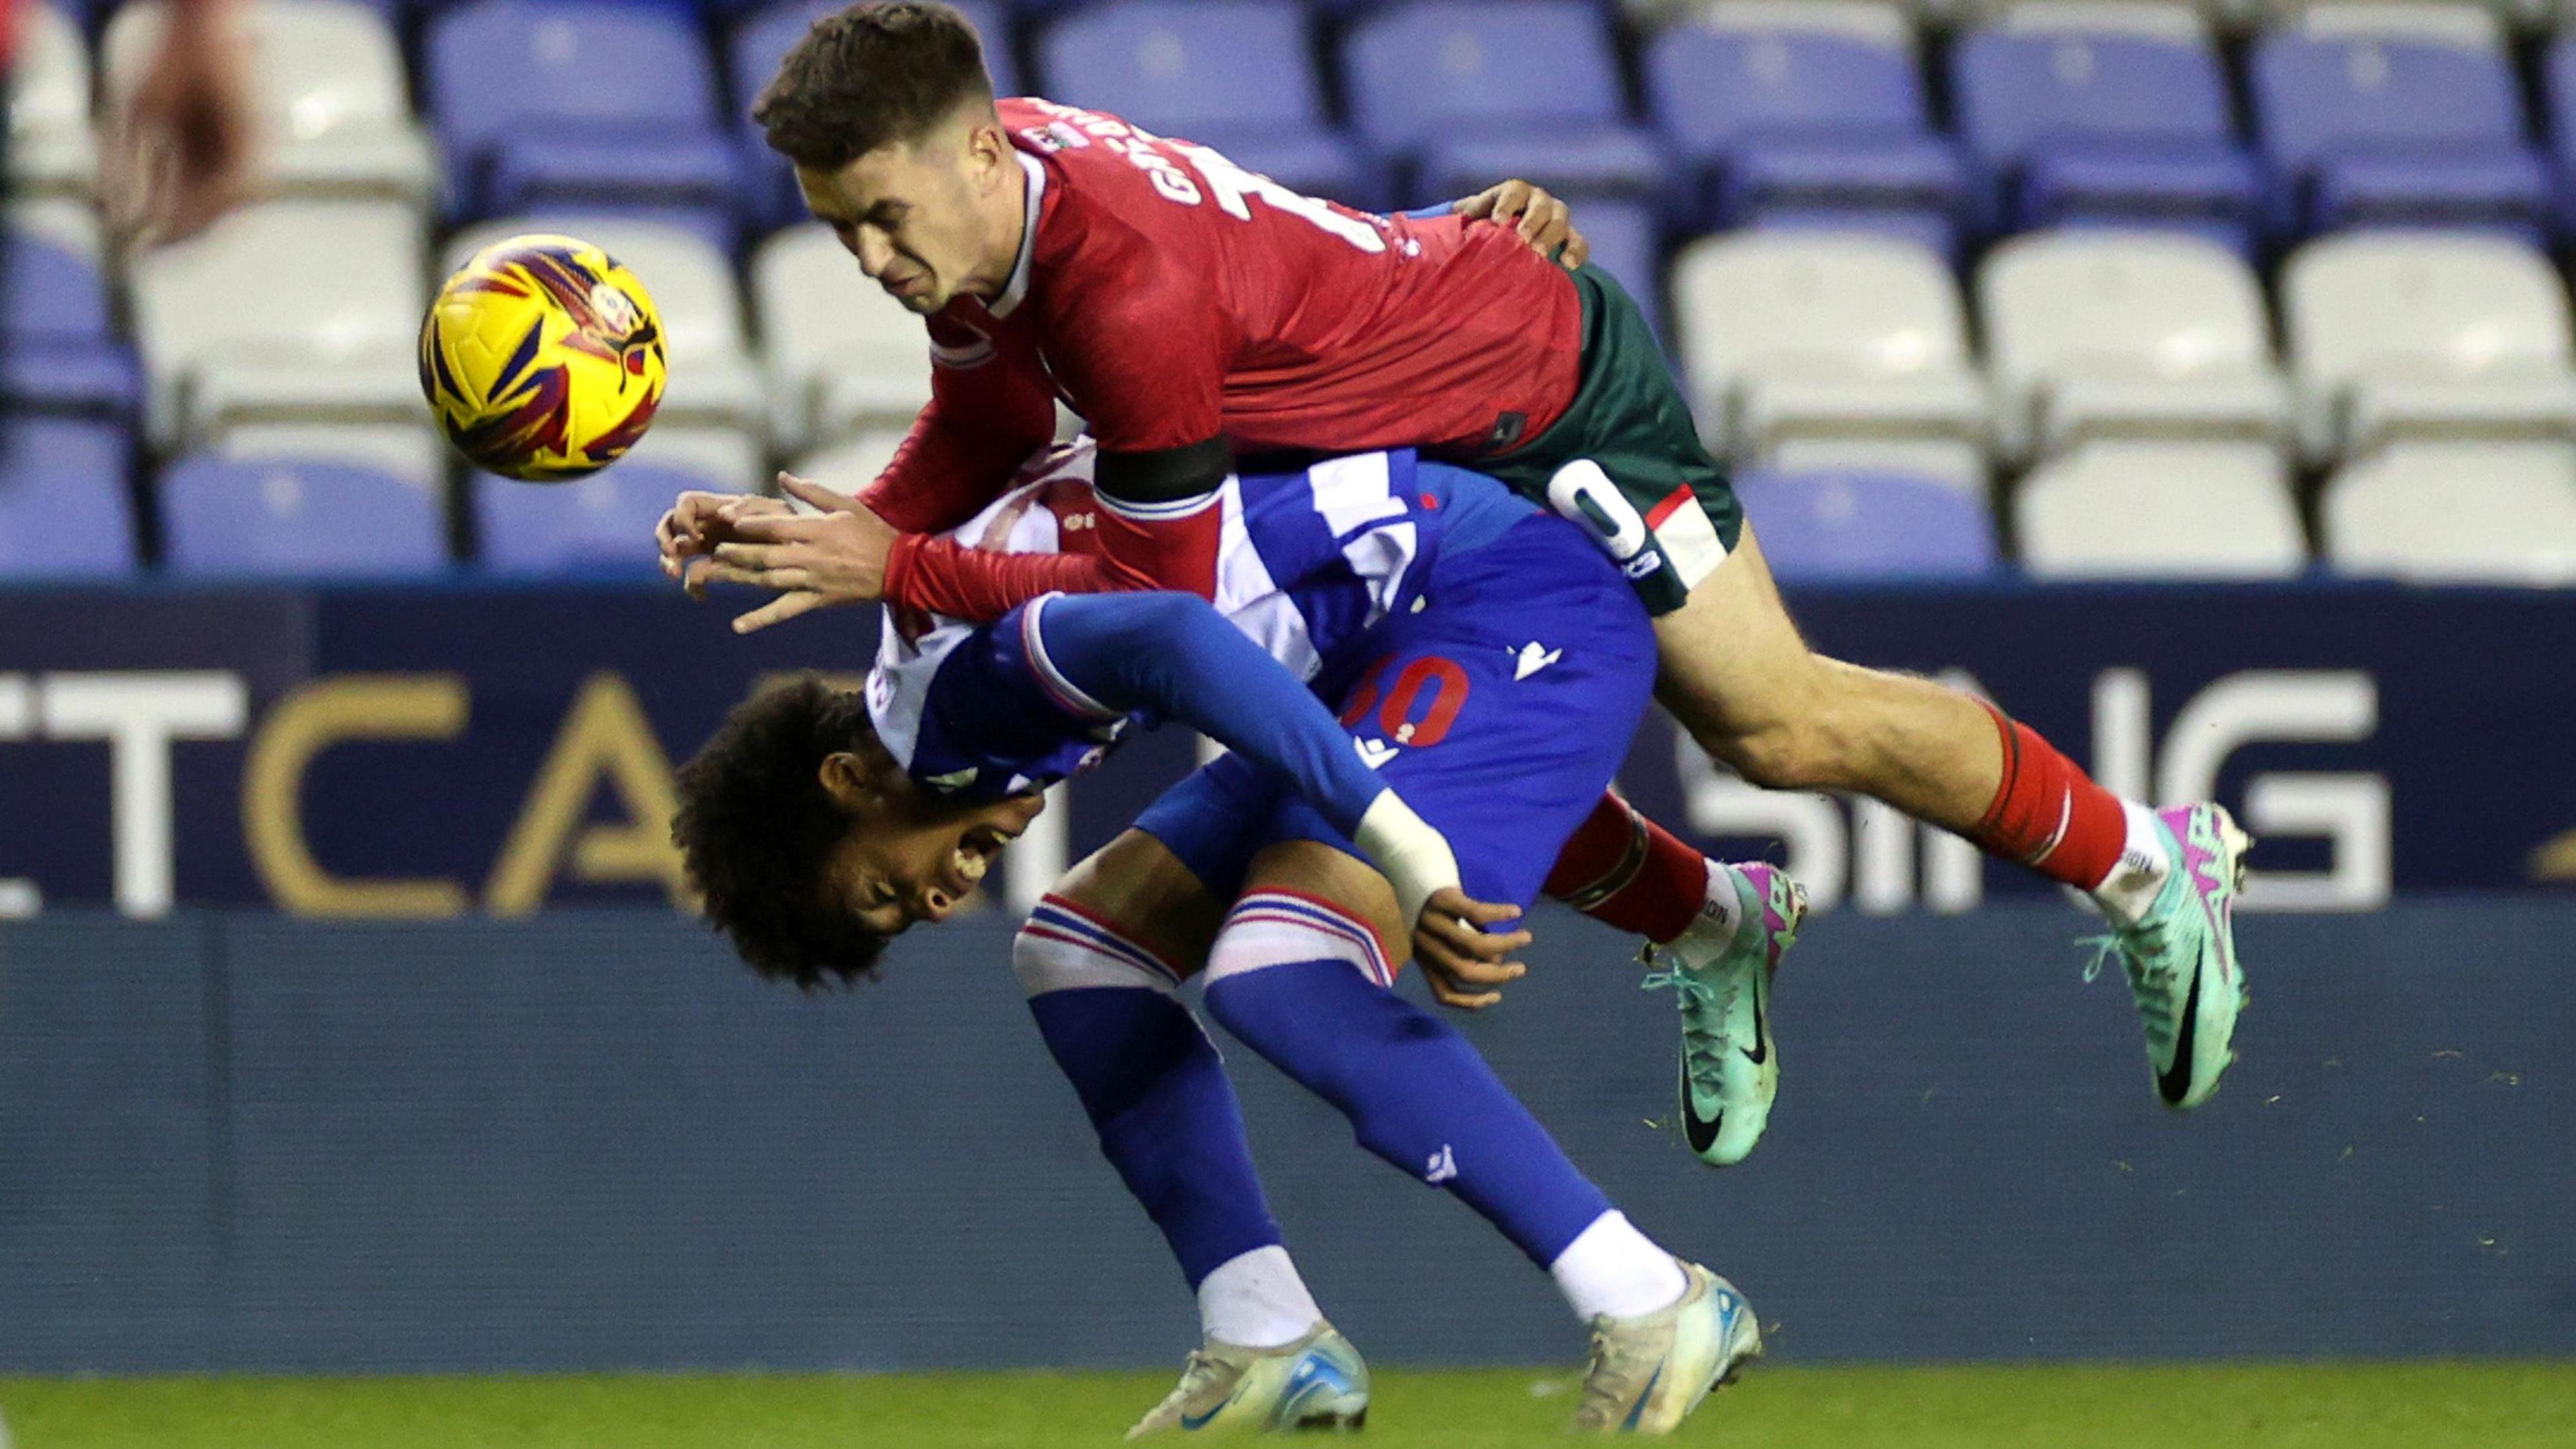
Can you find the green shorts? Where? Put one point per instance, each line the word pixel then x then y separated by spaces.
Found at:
pixel 1652 496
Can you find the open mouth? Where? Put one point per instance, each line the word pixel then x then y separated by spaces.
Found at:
pixel 974 854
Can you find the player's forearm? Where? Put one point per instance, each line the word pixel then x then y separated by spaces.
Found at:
pixel 1176 657
pixel 939 575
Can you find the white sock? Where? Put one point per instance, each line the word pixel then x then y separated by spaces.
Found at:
pixel 1612 1268
pixel 1723 911
pixel 2139 875
pixel 1256 1300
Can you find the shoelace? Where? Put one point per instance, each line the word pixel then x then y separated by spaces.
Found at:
pixel 1196 1370
pixel 2150 985
pixel 1603 1401
pixel 1703 1049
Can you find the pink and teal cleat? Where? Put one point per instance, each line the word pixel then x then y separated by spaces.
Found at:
pixel 2181 955
pixel 1730 1071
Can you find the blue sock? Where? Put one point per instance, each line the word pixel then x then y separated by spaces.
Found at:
pixel 1167 1116
pixel 1416 1092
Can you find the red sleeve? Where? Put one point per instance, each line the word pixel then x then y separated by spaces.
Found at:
pixel 1140 340
pixel 942 576
pixel 990 407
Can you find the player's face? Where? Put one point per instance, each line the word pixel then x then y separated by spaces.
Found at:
pixel 927 219
pixel 912 857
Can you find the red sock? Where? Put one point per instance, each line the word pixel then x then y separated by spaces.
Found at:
pixel 2049 815
pixel 1624 870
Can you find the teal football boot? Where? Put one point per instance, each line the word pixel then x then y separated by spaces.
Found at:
pixel 2181 955
pixel 1730 1071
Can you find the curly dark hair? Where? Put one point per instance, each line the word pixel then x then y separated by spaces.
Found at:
pixel 870 75
pixel 755 826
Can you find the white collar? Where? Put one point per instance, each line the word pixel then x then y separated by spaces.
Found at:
pixel 1018 288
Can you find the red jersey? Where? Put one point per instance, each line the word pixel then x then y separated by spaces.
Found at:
pixel 1170 297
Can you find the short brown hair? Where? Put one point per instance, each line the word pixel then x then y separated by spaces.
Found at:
pixel 870 75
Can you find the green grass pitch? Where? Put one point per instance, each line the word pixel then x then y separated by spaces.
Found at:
pixel 2293 1406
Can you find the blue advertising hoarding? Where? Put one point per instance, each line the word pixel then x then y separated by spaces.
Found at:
pixel 432 752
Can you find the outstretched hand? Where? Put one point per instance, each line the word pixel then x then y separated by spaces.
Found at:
pixel 1465 964
pixel 836 555
pixel 1546 223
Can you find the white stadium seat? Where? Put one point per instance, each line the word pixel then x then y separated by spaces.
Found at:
pixel 2165 510
pixel 285 311
pixel 51 146
pixel 1789 337
pixel 840 353
pixel 713 381
pixel 2177 20
pixel 2095 334
pixel 851 464
pixel 2426 335
pixel 328 80
pixel 2478 24
pixel 2494 513
pixel 1874 21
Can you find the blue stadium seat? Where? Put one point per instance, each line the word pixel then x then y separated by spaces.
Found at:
pixel 602 524
pixel 771 198
pixel 2394 129
pixel 575 103
pixel 58 345
pixel 2558 95
pixel 1812 122
pixel 2100 127
pixel 65 509
pixel 1861 527
pixel 1234 74
pixel 1467 93
pixel 294 518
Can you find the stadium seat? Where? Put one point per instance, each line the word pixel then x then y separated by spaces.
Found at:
pixel 412 451
pixel 1813 107
pixel 283 311
pixel 1467 93
pixel 2390 113
pixel 602 524
pixel 282 518
pixel 1627 242
pixel 2160 510
pixel 851 464
pixel 575 103
pixel 2427 334
pixel 2094 334
pixel 52 150
pixel 2493 513
pixel 327 80
pixel 65 509
pixel 713 381
pixel 1866 527
pixel 1234 75
pixel 840 353
pixel 1786 337
pixel 58 346
pixel 770 197
pixel 2086 113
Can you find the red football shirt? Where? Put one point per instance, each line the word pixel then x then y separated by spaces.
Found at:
pixel 1170 297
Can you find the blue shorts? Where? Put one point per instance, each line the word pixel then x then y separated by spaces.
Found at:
pixel 1500 709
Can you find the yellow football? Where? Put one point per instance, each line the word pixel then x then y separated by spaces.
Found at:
pixel 542 358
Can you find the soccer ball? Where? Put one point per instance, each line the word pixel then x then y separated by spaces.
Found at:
pixel 542 358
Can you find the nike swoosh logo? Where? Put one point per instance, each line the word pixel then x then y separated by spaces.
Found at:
pixel 1760 1051
pixel 2175 1081
pixel 1638 1409
pixel 1702 1131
